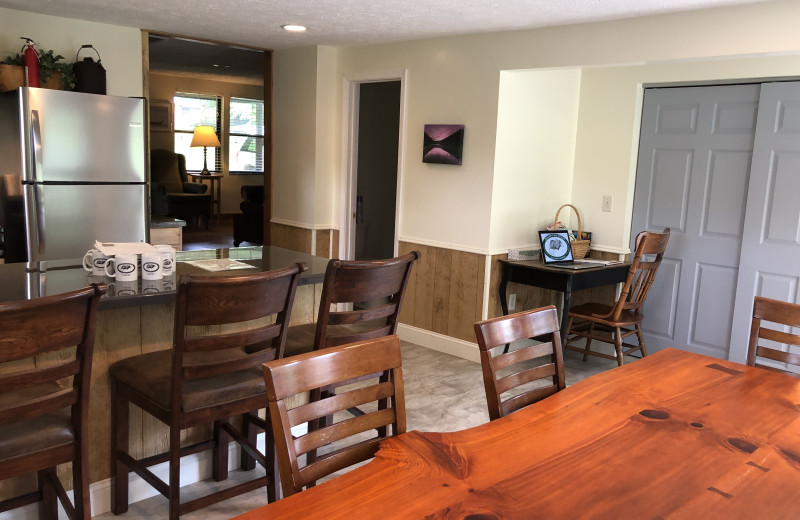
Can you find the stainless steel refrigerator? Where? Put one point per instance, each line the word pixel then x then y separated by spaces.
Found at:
pixel 73 169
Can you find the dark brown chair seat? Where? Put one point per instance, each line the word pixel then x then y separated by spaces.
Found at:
pixel 46 347
pixel 613 323
pixel 226 327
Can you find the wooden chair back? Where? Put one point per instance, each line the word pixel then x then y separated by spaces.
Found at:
pixel 374 289
pixel 229 301
pixel 46 347
pixel 647 258
pixel 286 378
pixel 513 373
pixel 766 342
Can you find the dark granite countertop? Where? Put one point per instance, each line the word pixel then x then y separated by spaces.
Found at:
pixel 166 222
pixel 20 281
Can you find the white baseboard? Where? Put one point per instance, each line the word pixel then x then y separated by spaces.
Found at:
pixel 194 468
pixel 439 342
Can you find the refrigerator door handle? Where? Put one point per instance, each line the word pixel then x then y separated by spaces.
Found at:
pixel 38 204
pixel 36 137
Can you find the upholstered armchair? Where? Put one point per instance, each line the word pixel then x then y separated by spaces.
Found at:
pixel 171 193
pixel 248 226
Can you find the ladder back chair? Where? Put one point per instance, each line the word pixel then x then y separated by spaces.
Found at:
pixel 765 342
pixel 225 328
pixel 512 380
pixel 353 439
pixel 46 347
pixel 613 323
pixel 374 290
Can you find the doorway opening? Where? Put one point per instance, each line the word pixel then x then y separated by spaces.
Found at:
pixel 373 173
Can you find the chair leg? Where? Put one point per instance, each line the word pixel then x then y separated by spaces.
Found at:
pixel 618 344
pixel 250 433
pixel 219 464
pixel 588 341
pixel 48 509
pixel 119 444
pixel 174 472
pixel 273 472
pixel 80 480
pixel 640 337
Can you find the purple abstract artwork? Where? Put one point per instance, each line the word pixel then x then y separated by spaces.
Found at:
pixel 443 144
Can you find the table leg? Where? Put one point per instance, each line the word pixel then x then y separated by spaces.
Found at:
pixel 565 310
pixel 503 301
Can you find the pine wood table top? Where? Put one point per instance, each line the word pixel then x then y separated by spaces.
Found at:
pixel 674 435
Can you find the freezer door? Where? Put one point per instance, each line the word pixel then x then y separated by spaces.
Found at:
pixel 65 220
pixel 79 137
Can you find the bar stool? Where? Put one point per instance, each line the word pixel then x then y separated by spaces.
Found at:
pixel 43 415
pixel 374 289
pixel 211 374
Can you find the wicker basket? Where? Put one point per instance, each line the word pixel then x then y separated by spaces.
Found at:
pixel 579 247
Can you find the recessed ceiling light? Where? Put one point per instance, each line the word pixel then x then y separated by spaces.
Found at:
pixel 293 27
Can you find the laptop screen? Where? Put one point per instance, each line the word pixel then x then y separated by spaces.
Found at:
pixel 555 246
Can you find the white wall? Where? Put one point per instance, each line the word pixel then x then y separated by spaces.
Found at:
pixel 457 80
pixel 537 118
pixel 120 48
pixel 294 137
pixel 328 147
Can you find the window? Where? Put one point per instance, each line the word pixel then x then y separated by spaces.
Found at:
pixel 246 136
pixel 191 110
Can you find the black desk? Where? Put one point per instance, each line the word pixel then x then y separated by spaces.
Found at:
pixel 534 273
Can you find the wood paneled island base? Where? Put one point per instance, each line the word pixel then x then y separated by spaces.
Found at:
pixel 675 435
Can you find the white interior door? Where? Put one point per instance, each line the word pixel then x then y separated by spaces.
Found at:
pixel 770 260
pixel 692 176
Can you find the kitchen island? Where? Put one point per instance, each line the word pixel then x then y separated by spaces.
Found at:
pixel 135 319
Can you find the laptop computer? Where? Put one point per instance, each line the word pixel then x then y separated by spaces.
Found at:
pixel 556 251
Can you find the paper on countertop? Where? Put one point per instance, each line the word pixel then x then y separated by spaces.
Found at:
pixel 123 248
pixel 218 264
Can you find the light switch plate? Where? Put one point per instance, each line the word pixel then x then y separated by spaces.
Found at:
pixel 607 203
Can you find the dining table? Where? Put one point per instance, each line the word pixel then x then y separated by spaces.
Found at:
pixel 673 435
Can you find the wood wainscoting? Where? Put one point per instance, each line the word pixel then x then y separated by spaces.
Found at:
pixel 324 242
pixel 445 292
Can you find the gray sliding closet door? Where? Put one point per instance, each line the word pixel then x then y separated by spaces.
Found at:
pixel 770 259
pixel 692 176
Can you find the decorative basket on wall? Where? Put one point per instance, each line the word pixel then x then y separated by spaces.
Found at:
pixel 579 246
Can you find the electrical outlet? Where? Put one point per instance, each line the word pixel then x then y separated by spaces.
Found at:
pixel 607 203
pixel 512 302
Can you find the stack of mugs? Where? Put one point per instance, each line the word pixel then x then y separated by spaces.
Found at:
pixel 157 270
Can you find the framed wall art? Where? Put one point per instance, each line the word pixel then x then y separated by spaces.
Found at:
pixel 443 144
pixel 160 115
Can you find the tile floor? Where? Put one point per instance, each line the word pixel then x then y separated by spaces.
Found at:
pixel 443 393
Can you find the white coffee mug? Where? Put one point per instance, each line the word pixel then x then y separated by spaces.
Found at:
pixel 95 262
pixel 168 265
pixel 168 283
pixel 123 288
pixel 123 268
pixel 152 266
pixel 150 286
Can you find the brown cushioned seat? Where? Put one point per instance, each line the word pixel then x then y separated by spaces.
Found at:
pixel 150 375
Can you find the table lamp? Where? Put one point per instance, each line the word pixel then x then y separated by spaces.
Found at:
pixel 204 136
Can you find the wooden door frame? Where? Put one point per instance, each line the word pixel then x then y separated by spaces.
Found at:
pixel 268 81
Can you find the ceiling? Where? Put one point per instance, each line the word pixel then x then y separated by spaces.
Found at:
pixel 258 23
pixel 349 22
